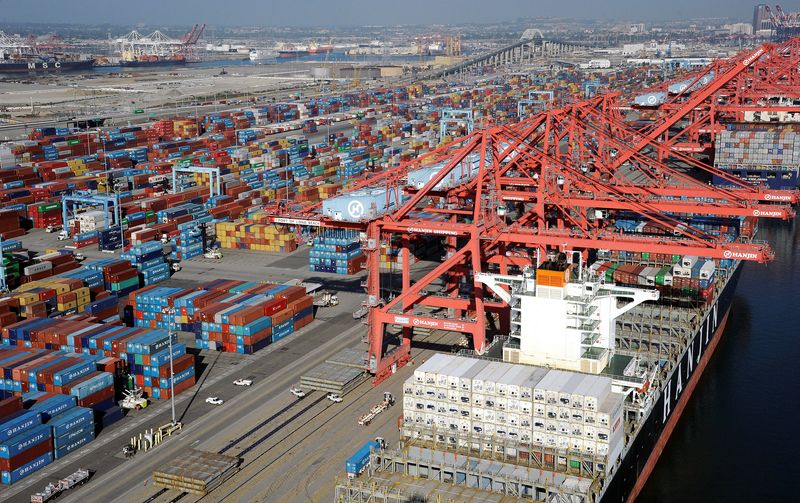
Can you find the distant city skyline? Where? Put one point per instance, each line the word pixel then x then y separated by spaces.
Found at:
pixel 362 12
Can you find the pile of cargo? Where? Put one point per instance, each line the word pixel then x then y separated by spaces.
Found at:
pixel 87 378
pixel 37 428
pixel 254 236
pixel 142 353
pixel 119 276
pixel 226 315
pixel 687 278
pixel 337 251
pixel 44 215
pixel 186 245
pixel 148 259
pixel 147 355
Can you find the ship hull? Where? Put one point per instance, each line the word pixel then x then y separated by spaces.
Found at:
pixel 47 66
pixel 292 54
pixel 638 462
pixel 160 62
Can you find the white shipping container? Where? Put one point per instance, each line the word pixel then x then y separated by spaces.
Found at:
pixel 37 268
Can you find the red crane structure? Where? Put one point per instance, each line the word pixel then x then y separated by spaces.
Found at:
pixel 697 106
pixel 560 173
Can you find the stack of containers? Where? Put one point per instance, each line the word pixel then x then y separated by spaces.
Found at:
pixel 337 251
pixel 119 277
pixel 689 278
pixel 254 236
pixel 187 245
pixel 147 355
pixel 110 239
pixel 26 445
pixel 148 258
pixel 233 316
pixel 85 239
pixel 45 214
pixel 70 430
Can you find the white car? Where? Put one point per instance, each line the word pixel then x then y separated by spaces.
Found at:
pixel 80 257
pixel 243 382
pixel 298 392
pixel 214 400
pixel 334 397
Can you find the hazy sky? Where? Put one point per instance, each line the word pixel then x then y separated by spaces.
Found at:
pixel 359 12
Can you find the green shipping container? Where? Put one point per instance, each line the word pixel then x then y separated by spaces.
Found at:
pixel 645 255
pixel 676 259
pixel 610 272
pixel 73 142
pixel 258 165
pixel 48 207
pixel 573 463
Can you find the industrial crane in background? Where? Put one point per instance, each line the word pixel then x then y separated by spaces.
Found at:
pixel 134 45
pixel 691 110
pixel 505 197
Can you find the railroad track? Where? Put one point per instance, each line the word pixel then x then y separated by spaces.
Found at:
pixel 352 402
pixel 269 434
pixel 233 443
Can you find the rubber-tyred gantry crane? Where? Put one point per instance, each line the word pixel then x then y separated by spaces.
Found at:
pixel 506 195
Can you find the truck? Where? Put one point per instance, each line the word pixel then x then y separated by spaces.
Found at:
pixel 359 461
pixel 53 489
pixel 326 298
pixel 388 401
pixel 133 399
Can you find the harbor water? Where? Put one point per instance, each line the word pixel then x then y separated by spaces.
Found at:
pixel 737 440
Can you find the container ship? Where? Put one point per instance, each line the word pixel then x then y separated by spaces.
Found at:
pixel 596 351
pixel 152 60
pixel 315 48
pixel 592 414
pixel 293 52
pixel 41 63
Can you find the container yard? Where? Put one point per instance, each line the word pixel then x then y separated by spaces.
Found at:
pixel 536 261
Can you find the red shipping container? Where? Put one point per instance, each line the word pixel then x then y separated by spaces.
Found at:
pixel 281 316
pixel 97 397
pixel 179 364
pixel 10 405
pixel 274 306
pixel 40 449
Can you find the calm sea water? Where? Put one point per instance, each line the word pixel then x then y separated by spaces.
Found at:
pixel 738 437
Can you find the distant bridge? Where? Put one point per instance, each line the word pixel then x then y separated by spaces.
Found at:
pixel 531 44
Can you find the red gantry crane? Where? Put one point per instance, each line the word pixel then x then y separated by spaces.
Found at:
pixel 559 175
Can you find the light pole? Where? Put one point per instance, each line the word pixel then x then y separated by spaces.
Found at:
pixel 171 312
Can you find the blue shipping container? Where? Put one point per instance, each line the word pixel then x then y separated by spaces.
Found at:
pixel 24 441
pixel 24 471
